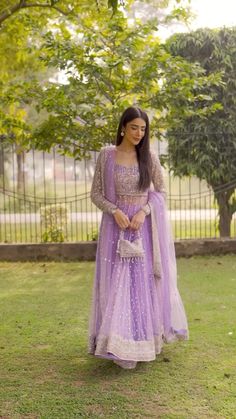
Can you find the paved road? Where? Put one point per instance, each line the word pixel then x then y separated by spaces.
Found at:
pixel 175 215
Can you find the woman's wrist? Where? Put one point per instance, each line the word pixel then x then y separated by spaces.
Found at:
pixel 143 212
pixel 146 209
pixel 113 211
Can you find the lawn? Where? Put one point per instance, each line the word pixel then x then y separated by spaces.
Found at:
pixel 46 372
pixel 87 231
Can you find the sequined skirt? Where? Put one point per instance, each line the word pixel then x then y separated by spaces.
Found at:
pixel 130 316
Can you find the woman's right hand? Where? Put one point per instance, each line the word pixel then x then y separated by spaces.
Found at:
pixel 121 219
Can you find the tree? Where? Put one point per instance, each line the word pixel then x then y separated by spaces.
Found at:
pixel 206 147
pixel 24 25
pixel 19 62
pixel 109 67
pixel 58 7
pixel 21 24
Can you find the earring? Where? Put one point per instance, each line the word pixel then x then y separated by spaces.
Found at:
pixel 122 133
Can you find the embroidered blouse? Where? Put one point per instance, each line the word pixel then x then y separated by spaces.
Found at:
pixel 126 182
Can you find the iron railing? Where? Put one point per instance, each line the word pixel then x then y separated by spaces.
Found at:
pixel 46 197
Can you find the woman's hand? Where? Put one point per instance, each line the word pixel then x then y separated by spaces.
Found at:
pixel 137 220
pixel 121 219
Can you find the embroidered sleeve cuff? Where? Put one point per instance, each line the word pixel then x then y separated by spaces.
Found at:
pixel 146 209
pixel 113 210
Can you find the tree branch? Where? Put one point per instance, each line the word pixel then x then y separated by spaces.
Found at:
pixel 23 5
pixel 103 91
pixel 10 11
pixel 51 6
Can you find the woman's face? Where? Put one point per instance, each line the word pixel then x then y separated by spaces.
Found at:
pixel 134 131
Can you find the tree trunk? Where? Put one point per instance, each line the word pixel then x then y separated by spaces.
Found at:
pixel 225 212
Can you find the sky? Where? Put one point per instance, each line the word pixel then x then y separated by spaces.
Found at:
pixel 214 13
pixel 208 13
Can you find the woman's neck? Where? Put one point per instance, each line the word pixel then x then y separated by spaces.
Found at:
pixel 126 148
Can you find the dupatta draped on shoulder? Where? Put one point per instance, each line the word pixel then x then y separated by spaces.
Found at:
pixel 135 307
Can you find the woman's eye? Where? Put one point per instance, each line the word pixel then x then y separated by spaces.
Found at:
pixel 136 128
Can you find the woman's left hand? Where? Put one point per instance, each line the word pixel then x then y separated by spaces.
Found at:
pixel 137 220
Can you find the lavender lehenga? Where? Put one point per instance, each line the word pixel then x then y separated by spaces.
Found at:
pixel 136 305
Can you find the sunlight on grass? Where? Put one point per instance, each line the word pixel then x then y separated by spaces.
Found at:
pixel 45 369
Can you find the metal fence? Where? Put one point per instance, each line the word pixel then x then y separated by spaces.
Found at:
pixel 46 197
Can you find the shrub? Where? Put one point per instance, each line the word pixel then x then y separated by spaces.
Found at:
pixel 54 218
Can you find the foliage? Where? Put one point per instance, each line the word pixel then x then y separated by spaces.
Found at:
pixel 54 219
pixel 53 235
pixel 107 64
pixel 54 7
pixel 109 67
pixel 93 235
pixel 22 24
pixel 206 146
pixel 19 63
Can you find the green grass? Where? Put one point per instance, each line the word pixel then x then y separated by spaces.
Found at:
pixel 32 233
pixel 46 372
pixel 26 233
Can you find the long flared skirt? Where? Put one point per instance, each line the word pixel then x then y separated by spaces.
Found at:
pixel 132 313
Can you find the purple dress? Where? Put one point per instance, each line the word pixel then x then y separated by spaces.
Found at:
pixel 133 312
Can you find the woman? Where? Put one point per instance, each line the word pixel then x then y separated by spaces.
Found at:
pixel 136 304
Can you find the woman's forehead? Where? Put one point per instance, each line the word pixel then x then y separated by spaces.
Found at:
pixel 138 122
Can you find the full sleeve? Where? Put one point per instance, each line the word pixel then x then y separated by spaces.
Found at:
pixel 97 194
pixel 157 180
pixel 157 175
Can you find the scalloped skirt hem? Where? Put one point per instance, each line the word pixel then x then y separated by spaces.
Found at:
pixel 119 349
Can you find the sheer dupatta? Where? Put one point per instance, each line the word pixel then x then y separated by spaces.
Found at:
pixel 177 317
pixel 173 314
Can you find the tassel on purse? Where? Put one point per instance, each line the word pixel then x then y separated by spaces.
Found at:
pixel 128 249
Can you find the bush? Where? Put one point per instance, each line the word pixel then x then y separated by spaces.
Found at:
pixel 54 218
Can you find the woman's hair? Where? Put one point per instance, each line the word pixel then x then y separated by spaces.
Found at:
pixel 142 149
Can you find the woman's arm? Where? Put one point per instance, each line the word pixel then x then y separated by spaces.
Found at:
pixel 157 175
pixel 96 194
pixel 159 186
pixel 157 179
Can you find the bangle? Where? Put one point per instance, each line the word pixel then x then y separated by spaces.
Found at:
pixel 146 209
pixel 114 210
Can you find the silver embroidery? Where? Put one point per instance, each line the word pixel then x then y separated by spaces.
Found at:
pixel 126 181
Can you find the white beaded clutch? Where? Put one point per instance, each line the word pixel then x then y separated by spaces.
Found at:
pixel 128 249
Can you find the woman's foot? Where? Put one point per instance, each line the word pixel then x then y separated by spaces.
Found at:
pixel 128 365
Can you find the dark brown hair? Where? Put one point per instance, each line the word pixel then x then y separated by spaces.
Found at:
pixel 142 149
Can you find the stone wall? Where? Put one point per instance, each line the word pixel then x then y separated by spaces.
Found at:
pixel 86 251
